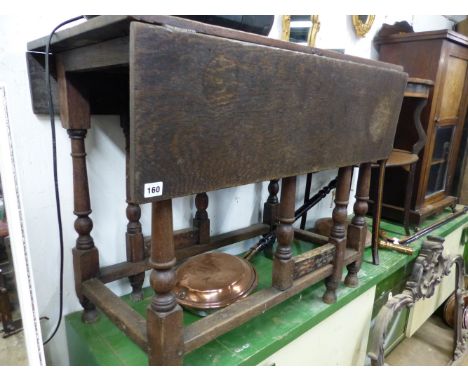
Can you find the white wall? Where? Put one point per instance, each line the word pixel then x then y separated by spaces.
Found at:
pixel 228 209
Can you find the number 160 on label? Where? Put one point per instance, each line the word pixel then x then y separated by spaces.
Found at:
pixel 153 189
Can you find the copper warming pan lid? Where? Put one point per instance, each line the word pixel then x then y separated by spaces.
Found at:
pixel 214 280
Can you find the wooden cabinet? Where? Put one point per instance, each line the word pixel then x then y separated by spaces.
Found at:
pixel 441 56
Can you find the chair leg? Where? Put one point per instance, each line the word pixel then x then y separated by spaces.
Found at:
pixel 377 213
pixel 408 194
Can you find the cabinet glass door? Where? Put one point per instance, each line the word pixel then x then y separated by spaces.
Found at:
pixel 439 163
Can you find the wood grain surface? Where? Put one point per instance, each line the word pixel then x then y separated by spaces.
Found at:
pixel 203 108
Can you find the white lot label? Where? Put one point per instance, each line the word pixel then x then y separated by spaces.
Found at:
pixel 153 189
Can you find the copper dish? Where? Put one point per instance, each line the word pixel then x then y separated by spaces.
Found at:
pixel 448 314
pixel 214 280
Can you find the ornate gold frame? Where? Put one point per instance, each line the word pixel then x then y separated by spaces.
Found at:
pixel 312 32
pixel 361 27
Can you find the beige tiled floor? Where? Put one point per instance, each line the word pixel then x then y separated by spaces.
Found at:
pixel 13 351
pixel 431 345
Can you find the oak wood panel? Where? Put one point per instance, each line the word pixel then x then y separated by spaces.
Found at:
pixel 419 58
pixel 452 88
pixel 452 36
pixel 37 84
pixel 108 90
pixel 202 108
pixel 459 53
pixel 105 54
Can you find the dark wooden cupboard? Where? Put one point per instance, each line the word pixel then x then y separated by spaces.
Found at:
pixel 441 56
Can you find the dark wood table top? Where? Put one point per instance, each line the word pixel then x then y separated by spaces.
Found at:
pixel 220 108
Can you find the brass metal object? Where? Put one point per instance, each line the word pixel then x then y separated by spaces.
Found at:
pixel 314 30
pixel 362 24
pixel 214 280
pixel 395 240
pixel 401 244
pixel 265 242
pixel 286 22
pixel 396 247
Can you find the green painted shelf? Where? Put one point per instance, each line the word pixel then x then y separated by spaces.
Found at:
pixel 102 343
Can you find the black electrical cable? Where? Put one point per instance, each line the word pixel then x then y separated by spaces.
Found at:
pixel 54 160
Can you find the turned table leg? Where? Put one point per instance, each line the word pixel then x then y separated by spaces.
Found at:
pixel 408 195
pixel 135 247
pixel 85 254
pixel 357 230
pixel 283 264
pixel 270 214
pixel 201 221
pixel 338 232
pixel 270 207
pixel 75 117
pixel 164 315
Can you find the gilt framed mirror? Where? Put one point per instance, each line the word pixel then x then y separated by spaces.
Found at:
pixel 362 24
pixel 301 29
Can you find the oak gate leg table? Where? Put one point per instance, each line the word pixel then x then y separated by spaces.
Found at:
pixel 203 109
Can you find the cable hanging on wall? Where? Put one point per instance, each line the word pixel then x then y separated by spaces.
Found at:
pixel 50 105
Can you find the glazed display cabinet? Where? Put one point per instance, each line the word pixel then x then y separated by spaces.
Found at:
pixel 440 56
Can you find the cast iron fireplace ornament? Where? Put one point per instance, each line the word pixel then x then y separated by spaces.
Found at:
pixel 429 268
